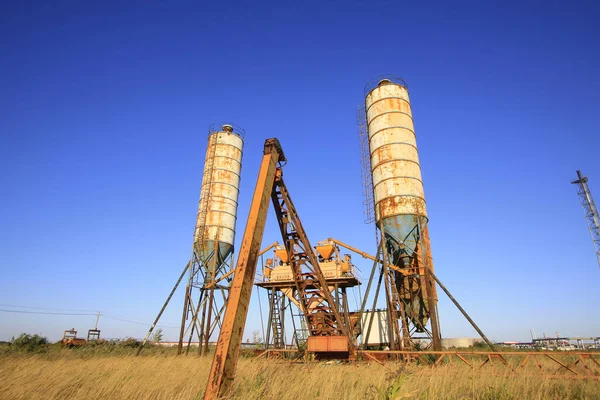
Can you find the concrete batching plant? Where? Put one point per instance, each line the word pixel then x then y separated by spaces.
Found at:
pixel 314 280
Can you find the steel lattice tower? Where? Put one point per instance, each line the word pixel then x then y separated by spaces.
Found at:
pixel 590 211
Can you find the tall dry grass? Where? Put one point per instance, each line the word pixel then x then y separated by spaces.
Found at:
pixel 68 375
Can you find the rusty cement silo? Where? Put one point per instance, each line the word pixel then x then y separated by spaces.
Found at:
pixel 400 209
pixel 214 235
pixel 398 188
pixel 217 209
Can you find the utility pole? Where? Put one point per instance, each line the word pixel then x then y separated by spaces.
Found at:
pixel 590 211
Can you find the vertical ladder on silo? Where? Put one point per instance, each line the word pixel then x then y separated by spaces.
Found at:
pixel 206 194
pixel 365 162
pixel 208 177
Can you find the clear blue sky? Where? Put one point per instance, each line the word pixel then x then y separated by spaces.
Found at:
pixel 104 112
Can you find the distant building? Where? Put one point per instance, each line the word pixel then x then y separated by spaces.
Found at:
pixel 458 343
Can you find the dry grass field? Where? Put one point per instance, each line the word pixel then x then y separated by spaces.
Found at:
pixel 72 374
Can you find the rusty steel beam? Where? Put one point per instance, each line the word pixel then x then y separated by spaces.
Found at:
pixel 473 324
pixel 355 250
pixel 427 260
pixel 162 310
pixel 591 355
pixel 213 284
pixel 227 275
pixel 469 358
pixel 269 247
pixel 225 360
pixel 372 312
pixel 186 309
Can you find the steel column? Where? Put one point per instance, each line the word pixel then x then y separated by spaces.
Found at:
pixel 222 371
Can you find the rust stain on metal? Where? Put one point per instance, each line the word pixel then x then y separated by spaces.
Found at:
pixel 217 208
pixel 395 205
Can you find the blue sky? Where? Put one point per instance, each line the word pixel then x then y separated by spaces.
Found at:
pixel 104 112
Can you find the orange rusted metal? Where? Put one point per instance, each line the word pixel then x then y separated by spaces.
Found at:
pixel 222 371
pixel 70 338
pixel 354 249
pixel 328 344
pixel 325 250
pixel 269 247
pixel 338 272
pixel 427 281
pixel 323 317
pixel 282 254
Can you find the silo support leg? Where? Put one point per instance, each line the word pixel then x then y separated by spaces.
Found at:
pixel 464 313
pixel 160 313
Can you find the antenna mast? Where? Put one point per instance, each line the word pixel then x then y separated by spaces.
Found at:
pixel 590 211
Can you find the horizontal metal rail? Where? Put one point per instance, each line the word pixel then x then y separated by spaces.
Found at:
pixel 575 365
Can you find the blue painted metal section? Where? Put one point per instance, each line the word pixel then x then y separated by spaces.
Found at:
pixel 402 234
pixel 223 250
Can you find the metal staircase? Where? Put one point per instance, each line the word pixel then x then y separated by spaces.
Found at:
pixel 277 326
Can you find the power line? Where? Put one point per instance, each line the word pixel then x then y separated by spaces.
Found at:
pixel 74 312
pixel 137 322
pixel 43 312
pixel 46 308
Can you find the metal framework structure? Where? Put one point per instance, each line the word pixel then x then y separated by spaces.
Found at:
pixel 590 211
pixel 205 300
pixel 403 288
pixel 325 322
pixel 327 318
pixel 322 314
pixel 276 321
pixel 283 296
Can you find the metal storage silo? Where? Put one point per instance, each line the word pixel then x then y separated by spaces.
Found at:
pixel 398 189
pixel 217 209
pixel 400 211
pixel 212 251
